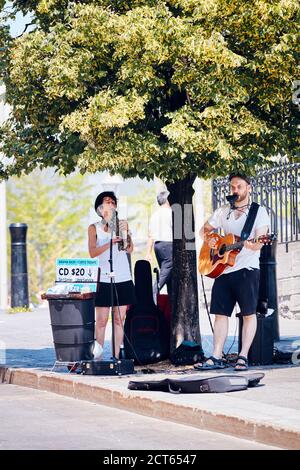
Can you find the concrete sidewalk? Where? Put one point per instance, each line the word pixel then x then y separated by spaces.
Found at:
pixel 268 414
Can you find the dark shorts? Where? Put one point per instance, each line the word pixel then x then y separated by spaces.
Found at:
pixel 240 286
pixel 125 290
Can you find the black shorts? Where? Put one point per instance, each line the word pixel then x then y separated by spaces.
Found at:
pixel 125 290
pixel 240 286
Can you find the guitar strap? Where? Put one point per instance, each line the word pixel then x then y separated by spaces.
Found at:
pixel 249 221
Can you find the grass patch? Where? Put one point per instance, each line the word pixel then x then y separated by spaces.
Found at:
pixel 19 309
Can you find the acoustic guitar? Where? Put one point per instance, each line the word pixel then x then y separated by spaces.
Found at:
pixel 212 262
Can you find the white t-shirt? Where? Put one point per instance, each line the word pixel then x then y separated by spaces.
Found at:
pixel 160 228
pixel 224 218
pixel 120 259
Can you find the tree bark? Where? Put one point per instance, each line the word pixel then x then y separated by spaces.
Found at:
pixel 185 312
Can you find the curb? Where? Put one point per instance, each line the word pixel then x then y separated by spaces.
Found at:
pixel 237 426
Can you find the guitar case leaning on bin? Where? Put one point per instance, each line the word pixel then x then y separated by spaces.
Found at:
pixel 146 337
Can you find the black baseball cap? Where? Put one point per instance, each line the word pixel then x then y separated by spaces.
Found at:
pixel 101 196
pixel 239 175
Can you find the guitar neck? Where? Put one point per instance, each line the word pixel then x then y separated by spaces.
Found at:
pixel 239 245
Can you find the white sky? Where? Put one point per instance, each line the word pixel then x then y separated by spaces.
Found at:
pixel 17 26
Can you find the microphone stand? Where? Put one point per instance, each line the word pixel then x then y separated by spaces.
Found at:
pixel 114 366
pixel 112 280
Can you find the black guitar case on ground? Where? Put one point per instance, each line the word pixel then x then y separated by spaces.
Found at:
pixel 146 337
pixel 199 384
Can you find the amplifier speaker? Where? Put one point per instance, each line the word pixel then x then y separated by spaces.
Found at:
pixel 262 348
pixel 112 367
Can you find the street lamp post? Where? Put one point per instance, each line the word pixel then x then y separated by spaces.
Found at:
pixel 112 183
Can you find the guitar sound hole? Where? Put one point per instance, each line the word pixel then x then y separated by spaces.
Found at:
pixel 222 250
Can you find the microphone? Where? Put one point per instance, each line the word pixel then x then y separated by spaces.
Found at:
pixel 122 231
pixel 109 219
pixel 232 199
pixel 118 226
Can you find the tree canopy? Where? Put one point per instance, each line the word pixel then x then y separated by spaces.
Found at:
pixel 165 88
pixel 172 89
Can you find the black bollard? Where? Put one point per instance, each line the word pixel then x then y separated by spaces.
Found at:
pixel 19 275
pixel 268 284
pixel 261 351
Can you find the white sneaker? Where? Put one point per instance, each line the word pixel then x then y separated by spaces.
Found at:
pixel 97 350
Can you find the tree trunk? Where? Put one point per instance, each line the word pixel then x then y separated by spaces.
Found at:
pixel 185 313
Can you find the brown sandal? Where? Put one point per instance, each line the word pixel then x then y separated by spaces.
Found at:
pixel 216 364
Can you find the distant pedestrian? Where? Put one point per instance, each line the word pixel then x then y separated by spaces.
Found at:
pixel 161 237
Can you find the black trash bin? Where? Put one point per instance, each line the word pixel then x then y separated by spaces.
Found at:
pixel 73 325
pixel 268 283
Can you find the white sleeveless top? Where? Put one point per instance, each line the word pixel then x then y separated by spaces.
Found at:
pixel 120 259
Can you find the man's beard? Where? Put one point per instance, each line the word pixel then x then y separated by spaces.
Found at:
pixel 242 197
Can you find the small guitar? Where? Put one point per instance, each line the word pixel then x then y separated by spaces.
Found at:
pixel 212 262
